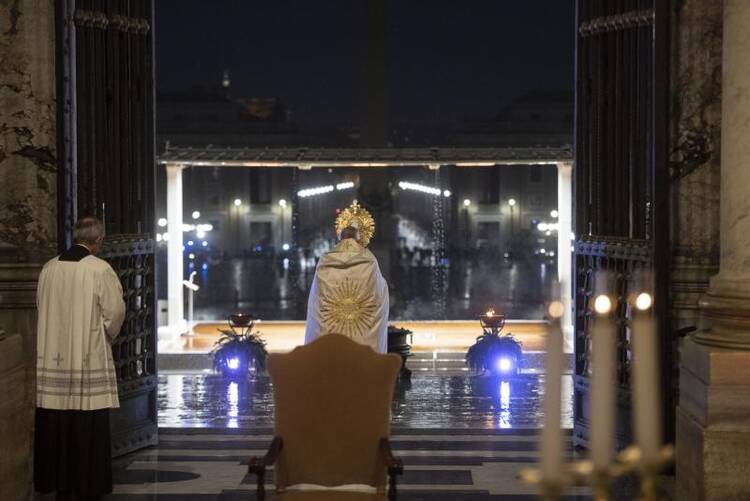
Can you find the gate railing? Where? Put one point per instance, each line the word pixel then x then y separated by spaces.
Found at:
pixel 134 425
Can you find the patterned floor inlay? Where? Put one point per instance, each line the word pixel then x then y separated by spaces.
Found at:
pixel 441 465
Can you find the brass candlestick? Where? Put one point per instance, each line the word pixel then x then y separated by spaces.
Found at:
pixel 550 489
pixel 647 468
pixel 583 473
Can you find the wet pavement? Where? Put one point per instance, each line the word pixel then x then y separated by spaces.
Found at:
pixel 428 401
pixel 261 286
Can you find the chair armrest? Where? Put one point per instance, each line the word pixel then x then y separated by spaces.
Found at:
pixel 394 466
pixel 257 465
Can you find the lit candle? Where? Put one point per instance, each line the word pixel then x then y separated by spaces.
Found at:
pixel 552 440
pixel 646 410
pixel 603 387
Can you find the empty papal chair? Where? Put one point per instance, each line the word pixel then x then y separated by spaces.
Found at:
pixel 332 423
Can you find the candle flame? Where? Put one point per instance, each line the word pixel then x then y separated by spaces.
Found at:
pixel 643 301
pixel 602 304
pixel 490 313
pixel 556 309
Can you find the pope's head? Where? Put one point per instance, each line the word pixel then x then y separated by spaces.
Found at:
pixel 349 232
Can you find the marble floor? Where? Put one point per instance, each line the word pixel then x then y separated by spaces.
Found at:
pixel 460 438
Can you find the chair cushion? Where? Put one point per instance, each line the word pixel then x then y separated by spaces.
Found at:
pixel 326 495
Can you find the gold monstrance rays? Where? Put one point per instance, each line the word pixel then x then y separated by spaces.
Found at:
pixel 348 308
pixel 359 218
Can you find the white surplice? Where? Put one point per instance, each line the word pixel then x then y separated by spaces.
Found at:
pixel 81 310
pixel 349 296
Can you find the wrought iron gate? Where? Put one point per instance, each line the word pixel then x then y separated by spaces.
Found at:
pixel 106 168
pixel 620 180
pixel 134 424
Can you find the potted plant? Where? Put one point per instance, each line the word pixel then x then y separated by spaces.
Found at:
pixel 493 353
pixel 239 349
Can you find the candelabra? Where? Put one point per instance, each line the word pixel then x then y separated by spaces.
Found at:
pixel 583 473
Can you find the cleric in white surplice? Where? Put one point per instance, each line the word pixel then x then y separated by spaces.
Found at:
pixel 81 310
pixel 349 295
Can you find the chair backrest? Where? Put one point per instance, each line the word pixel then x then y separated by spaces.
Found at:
pixel 333 405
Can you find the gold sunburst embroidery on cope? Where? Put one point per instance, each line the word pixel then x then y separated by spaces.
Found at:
pixel 348 308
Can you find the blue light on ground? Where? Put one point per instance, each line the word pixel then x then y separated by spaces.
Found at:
pixel 430 401
pixel 190 243
pixel 233 396
pixel 204 243
pixel 504 416
pixel 204 267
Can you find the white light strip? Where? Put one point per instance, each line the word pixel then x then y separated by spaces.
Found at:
pixel 309 192
pixel 419 187
pixel 197 227
pixel 345 186
pixel 548 226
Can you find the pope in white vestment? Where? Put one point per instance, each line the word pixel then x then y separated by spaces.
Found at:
pixel 349 295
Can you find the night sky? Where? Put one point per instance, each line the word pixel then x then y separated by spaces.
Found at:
pixel 449 61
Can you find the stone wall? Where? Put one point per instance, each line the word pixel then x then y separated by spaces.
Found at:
pixel 694 151
pixel 28 218
pixel 15 460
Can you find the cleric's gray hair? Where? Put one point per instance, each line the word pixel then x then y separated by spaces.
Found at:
pixel 88 230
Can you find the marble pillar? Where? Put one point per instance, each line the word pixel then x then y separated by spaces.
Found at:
pixel 175 273
pixel 15 416
pixel 28 203
pixel 713 417
pixel 564 254
pixel 694 154
pixel 727 304
pixel 28 219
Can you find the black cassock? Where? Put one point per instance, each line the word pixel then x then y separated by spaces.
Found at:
pixel 72 452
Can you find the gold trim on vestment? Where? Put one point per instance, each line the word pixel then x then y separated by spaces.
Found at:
pixel 348 308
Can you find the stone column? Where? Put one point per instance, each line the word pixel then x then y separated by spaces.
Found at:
pixel 713 417
pixel 175 299
pixel 564 264
pixel 28 219
pixel 727 304
pixel 694 154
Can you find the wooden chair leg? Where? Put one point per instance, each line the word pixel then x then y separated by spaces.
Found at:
pixel 392 490
pixel 261 487
pixel 394 467
pixel 258 466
